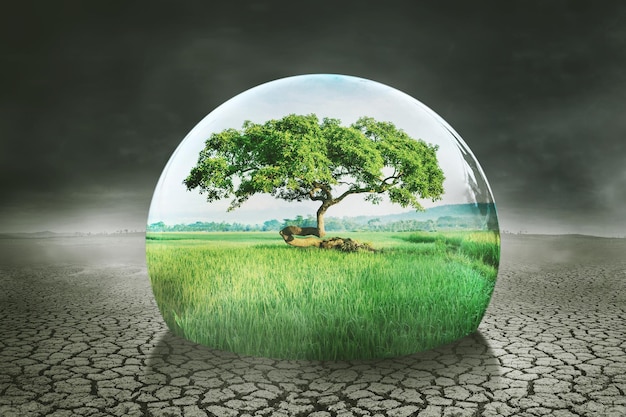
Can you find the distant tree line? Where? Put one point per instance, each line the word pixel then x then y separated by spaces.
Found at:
pixel 333 224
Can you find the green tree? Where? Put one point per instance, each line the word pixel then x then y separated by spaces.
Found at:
pixel 271 225
pixel 156 227
pixel 300 158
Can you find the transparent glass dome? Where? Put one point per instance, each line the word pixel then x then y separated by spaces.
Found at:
pixel 402 259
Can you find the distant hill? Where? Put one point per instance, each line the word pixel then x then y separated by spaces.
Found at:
pixel 29 235
pixel 433 213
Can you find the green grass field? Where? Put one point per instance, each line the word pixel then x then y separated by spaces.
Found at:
pixel 252 294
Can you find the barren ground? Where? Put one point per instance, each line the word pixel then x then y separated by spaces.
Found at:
pixel 80 334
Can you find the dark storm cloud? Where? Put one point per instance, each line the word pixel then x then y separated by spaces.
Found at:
pixel 97 95
pixel 559 103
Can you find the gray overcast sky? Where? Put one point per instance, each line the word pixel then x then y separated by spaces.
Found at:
pixel 95 96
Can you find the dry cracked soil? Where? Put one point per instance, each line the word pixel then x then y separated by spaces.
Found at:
pixel 80 335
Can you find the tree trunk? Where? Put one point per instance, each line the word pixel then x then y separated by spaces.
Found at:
pixel 288 236
pixel 320 219
pixel 343 244
pixel 288 233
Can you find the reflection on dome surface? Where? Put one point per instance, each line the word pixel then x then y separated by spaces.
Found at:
pixel 323 217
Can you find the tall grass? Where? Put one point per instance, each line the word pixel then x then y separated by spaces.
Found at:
pixel 250 293
pixel 483 246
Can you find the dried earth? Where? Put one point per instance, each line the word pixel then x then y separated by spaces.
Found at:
pixel 80 335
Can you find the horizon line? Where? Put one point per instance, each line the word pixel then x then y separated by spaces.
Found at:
pixel 135 232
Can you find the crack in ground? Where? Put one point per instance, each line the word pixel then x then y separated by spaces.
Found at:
pixel 93 343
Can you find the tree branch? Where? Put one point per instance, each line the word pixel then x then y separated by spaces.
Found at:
pixel 325 188
pixel 384 185
pixel 353 191
pixel 315 197
pixel 392 177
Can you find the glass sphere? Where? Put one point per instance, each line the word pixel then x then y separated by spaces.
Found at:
pixel 322 217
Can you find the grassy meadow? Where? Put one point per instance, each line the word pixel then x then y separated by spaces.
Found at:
pixel 250 293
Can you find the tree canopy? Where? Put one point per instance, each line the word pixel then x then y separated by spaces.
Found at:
pixel 300 157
